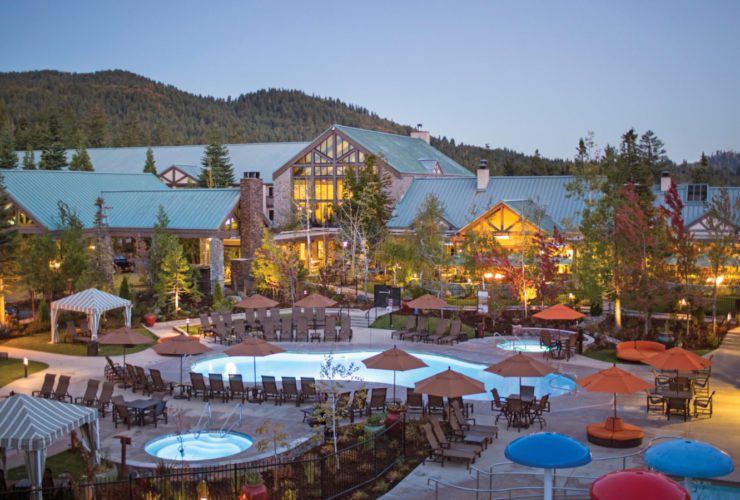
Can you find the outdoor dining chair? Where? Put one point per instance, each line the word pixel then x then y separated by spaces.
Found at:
pixel 655 402
pixel 703 405
pixel 121 413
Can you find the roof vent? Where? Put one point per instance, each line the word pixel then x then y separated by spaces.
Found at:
pixel 251 175
pixel 483 175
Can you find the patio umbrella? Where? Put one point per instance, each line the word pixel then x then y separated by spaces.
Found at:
pixel 316 300
pixel 549 451
pixel 520 365
pixel 449 383
pixel 394 359
pixel 559 312
pixel 180 345
pixel 427 302
pixel 252 346
pixel 125 337
pixel 257 301
pixel 636 484
pixel 678 359
pixel 690 459
pixel 614 380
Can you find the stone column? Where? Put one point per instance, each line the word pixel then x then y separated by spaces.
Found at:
pixel 251 218
pixel 217 263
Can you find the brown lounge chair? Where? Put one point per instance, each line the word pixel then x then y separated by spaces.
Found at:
pixel 476 446
pixel 113 371
pixel 236 387
pixel 308 390
pixel 408 329
pixel 414 401
pixel 462 425
pixel 198 386
pixel 91 394
pixel 439 454
pixel 614 433
pixel 158 383
pixel 216 387
pixel 377 399
pixel 454 335
pixel 440 331
pixel 47 387
pixel 61 393
pixel 290 390
pixel 270 390
pixel 105 398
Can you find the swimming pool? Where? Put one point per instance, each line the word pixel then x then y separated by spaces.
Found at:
pixel 198 446
pixel 709 491
pixel 522 345
pixel 289 364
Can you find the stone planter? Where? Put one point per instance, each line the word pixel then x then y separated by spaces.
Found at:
pixel 149 319
pixel 253 492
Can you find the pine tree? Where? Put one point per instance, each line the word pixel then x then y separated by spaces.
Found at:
pixel 103 268
pixel 8 158
pixel 29 159
pixel 161 241
pixel 150 166
pixel 81 159
pixel 217 170
pixel 701 173
pixel 75 266
pixel 8 244
pixel 53 155
pixel 124 291
pixel 175 278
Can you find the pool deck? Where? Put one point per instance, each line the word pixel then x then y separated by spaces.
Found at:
pixel 570 412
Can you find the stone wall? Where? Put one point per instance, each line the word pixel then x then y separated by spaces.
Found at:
pixel 251 222
pixel 283 198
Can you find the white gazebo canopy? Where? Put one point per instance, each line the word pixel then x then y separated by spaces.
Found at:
pixel 92 302
pixel 33 424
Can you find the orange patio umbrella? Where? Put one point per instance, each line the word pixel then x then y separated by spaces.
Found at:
pixel 427 302
pixel 394 359
pixel 520 365
pixel 257 301
pixel 125 337
pixel 449 383
pixel 614 380
pixel 252 346
pixel 559 312
pixel 180 345
pixel 678 359
pixel 316 300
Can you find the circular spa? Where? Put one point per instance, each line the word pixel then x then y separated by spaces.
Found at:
pixel 519 345
pixel 194 446
pixel 288 364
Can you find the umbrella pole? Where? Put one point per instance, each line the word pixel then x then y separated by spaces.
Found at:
pixel 124 354
pixel 615 406
pixel 394 385
pixel 254 364
pixel 181 371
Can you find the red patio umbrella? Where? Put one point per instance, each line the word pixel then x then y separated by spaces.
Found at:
pixel 559 312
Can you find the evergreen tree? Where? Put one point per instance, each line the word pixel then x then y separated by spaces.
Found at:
pixel 53 155
pixel 75 266
pixel 701 173
pixel 150 166
pixel 96 124
pixel 161 242
pixel 8 158
pixel 428 238
pixel 124 291
pixel 217 170
pixel 39 263
pixel 175 278
pixel 103 268
pixel 652 153
pixel 81 158
pixel 29 160
pixel 8 245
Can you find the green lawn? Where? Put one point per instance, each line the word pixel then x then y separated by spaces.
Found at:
pixel 399 322
pixel 610 355
pixel 12 369
pixel 40 342
pixel 69 462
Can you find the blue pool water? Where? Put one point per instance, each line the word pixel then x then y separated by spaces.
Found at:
pixel 198 446
pixel 298 365
pixel 522 345
pixel 708 491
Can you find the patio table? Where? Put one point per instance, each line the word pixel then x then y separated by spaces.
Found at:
pixel 140 407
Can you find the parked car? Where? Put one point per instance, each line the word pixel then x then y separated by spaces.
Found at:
pixel 123 264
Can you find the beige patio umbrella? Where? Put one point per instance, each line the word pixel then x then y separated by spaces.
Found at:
pixel 449 383
pixel 394 359
pixel 252 346
pixel 520 365
pixel 257 301
pixel 316 300
pixel 180 345
pixel 427 302
pixel 125 337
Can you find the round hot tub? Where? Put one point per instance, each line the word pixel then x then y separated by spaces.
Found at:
pixel 192 446
pixel 523 345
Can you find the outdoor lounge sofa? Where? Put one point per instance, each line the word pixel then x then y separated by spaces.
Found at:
pixel 638 350
pixel 614 433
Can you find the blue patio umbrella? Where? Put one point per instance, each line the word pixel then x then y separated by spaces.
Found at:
pixel 548 450
pixel 689 459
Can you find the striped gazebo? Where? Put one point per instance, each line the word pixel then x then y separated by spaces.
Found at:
pixel 92 302
pixel 33 424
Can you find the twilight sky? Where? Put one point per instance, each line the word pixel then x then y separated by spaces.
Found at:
pixel 522 75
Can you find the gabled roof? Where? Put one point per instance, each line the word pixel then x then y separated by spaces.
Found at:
pixel 194 209
pixel 532 212
pixel 264 158
pixel 695 210
pixel 38 192
pixel 90 301
pixel 407 155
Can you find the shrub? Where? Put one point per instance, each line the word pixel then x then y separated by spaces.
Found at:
pixel 124 291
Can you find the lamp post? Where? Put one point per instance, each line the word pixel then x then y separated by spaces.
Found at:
pixel 344 261
pixel 571 298
pixel 25 367
pixel 685 304
pixel 485 277
pixel 187 325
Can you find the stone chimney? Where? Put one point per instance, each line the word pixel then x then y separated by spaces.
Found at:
pixel 421 134
pixel 665 181
pixel 483 175
pixel 250 224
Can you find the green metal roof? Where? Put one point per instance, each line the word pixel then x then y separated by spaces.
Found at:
pixel 193 209
pixel 408 155
pixel 264 158
pixel 533 212
pixel 38 192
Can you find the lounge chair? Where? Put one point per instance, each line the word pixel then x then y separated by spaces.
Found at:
pixel 47 387
pixel 121 413
pixel 414 401
pixel 290 390
pixel 342 405
pixel 106 395
pixel 422 329
pixel 143 380
pixel 408 329
pixel 240 329
pixel 469 425
pixel 295 312
pixel 216 387
pixel 439 331
pixel 320 317
pixel 250 319
pixel 301 329
pixel 377 399
pixel 454 335
pixel 132 378
pixel 270 390
pixel 236 387
pixel 467 406
pixel 703 405
pixel 223 334
pixel 61 393
pixel 158 384
pixel 275 314
pixel 91 393
pixel 438 453
pixel 228 320
pixel 261 315
pixel 308 390
pixel 476 446
pixel 435 404
pixel 72 334
pixel 157 412
pixel 345 329
pixel 359 404
pixel 198 386
pixel 84 329
pixel 286 329
pixel 205 327
pixel 113 371
pixel 330 329
pixel 268 330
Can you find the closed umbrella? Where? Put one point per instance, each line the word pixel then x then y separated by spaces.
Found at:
pixel 614 380
pixel 257 301
pixel 449 383
pixel 125 337
pixel 180 345
pixel 678 359
pixel 316 300
pixel 252 346
pixel 520 365
pixel 394 359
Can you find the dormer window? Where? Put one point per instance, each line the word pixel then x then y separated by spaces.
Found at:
pixel 697 193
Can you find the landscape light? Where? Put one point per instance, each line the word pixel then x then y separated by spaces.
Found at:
pixel 25 367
